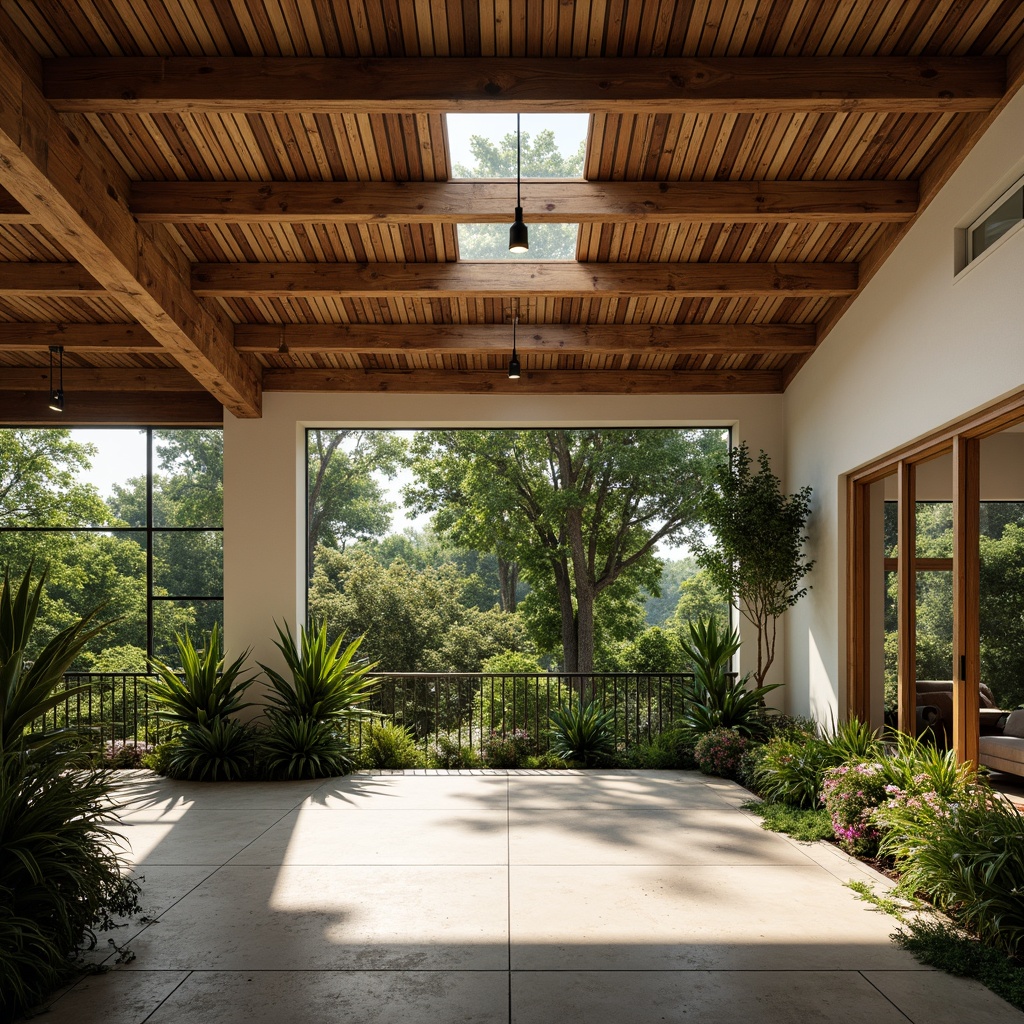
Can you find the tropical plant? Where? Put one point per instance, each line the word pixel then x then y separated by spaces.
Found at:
pixel 715 699
pixel 217 750
pixel 583 732
pixel 303 748
pixel 388 745
pixel 327 683
pixel 59 872
pixel 790 771
pixel 28 686
pixel 966 855
pixel 203 691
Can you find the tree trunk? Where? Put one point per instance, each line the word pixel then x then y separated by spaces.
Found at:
pixel 570 645
pixel 508 581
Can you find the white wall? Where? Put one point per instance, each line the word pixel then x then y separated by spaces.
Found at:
pixel 917 349
pixel 264 476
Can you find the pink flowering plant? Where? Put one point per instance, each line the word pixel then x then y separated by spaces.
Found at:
pixel 507 750
pixel 851 793
pixel 720 752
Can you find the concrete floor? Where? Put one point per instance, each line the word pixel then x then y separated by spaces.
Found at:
pixel 526 897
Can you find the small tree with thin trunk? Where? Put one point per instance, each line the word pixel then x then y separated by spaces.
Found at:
pixel 757 555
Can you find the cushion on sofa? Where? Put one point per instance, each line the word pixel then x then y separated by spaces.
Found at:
pixel 1015 724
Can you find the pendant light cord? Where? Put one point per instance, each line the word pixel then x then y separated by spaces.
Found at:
pixel 519 159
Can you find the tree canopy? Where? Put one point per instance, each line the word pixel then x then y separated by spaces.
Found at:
pixel 580 511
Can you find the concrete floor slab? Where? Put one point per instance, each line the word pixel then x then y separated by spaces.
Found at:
pixel 412 836
pixel 304 917
pixel 523 896
pixel 682 997
pixel 327 997
pixel 781 917
pixel 644 836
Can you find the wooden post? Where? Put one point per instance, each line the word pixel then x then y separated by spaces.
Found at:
pixel 858 533
pixel 906 575
pixel 966 582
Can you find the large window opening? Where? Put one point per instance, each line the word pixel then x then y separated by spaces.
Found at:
pixel 133 518
pixel 509 550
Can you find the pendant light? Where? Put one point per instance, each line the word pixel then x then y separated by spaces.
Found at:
pixel 57 393
pixel 518 236
pixel 513 364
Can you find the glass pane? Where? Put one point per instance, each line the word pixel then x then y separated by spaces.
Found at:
pixel 490 242
pixel 170 617
pixel 997 223
pixel 188 563
pixel 1001 595
pixel 85 570
pixel 890 528
pixel 934 625
pixel 188 484
pixel 934 529
pixel 484 145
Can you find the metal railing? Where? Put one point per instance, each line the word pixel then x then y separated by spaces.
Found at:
pixel 467 708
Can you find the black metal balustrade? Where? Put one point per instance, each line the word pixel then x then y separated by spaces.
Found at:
pixel 465 707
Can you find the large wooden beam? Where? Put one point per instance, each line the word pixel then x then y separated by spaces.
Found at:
pixel 106 408
pixel 462 280
pixel 546 382
pixel 47 280
pixel 35 337
pixel 966 597
pixel 77 379
pixel 487 202
pixel 70 185
pixel 535 84
pixel 611 339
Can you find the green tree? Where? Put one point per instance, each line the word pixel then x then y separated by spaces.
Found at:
pixel 700 599
pixel 541 158
pixel 345 502
pixel 757 554
pixel 39 483
pixel 581 510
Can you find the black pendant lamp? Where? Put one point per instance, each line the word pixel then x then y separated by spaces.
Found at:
pixel 518 236
pixel 57 393
pixel 513 364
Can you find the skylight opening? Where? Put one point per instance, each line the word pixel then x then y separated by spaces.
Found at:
pixel 483 146
pixel 490 241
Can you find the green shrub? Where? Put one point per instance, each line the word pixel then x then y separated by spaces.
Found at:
pixel 508 751
pixel 159 758
pixel 583 732
pixel 851 794
pixel 221 750
pixel 966 854
pixel 387 745
pixel 59 874
pixel 790 771
pixel 510 699
pixel 303 748
pixel 203 690
pixel 449 753
pixel 544 761
pixel 720 752
pixel 125 753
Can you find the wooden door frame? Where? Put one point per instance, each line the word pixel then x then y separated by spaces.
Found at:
pixel 961 440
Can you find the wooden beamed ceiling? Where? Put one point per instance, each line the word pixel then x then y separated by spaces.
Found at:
pixel 220 199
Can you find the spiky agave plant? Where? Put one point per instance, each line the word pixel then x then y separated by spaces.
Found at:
pixel 583 732
pixel 205 690
pixel 302 748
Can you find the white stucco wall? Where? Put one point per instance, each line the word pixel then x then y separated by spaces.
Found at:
pixel 264 476
pixel 918 349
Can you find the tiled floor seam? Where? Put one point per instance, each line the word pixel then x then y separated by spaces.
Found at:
pixel 166 997
pixel 885 997
pixel 508 887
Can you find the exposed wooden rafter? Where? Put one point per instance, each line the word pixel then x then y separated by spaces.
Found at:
pixel 454 280
pixel 78 379
pixel 546 382
pixel 113 408
pixel 593 84
pixel 74 189
pixel 34 337
pixel 612 339
pixel 487 202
